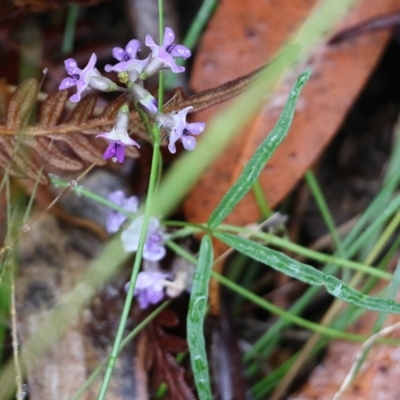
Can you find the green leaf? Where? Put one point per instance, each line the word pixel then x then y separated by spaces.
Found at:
pixel 306 273
pixel 195 320
pixel 253 168
pixel 221 130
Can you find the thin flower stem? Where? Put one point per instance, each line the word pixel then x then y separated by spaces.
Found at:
pixel 32 198
pixel 69 33
pixel 161 72
pixel 91 195
pixel 135 271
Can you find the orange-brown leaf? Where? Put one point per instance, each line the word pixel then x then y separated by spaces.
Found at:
pixel 339 74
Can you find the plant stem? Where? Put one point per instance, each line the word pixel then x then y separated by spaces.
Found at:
pixel 135 271
pixel 161 73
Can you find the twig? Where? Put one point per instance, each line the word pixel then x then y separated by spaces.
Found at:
pixel 360 357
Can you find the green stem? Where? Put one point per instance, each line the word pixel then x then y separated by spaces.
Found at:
pixel 161 73
pixel 192 37
pixel 324 210
pixel 72 18
pixel 90 195
pixel 261 201
pixel 135 270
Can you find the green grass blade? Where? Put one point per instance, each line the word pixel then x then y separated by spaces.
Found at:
pixel 253 168
pixel 195 320
pixel 307 274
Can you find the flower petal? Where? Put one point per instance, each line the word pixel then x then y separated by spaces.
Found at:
pixel 132 48
pixel 180 51
pixel 67 83
pixel 110 151
pixel 118 53
pixel 120 152
pixel 149 288
pixel 71 67
pixel 114 221
pixel 188 142
pixel 196 128
pixel 169 37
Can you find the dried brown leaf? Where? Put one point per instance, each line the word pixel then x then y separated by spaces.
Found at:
pixel 164 368
pixel 84 110
pixel 52 108
pixel 21 103
pixel 48 151
pixel 110 112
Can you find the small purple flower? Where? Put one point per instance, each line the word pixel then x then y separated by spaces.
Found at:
pixel 163 56
pixel 85 79
pixel 154 249
pixel 144 97
pixel 118 137
pixel 115 218
pixel 180 129
pixel 149 288
pixel 128 61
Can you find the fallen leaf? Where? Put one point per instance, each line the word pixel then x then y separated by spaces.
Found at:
pixel 239 41
pixel 376 379
pixel 240 37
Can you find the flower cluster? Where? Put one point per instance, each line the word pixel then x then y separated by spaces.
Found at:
pixel 151 286
pixel 154 249
pixel 133 71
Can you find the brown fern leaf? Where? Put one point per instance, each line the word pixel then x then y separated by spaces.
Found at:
pixel 53 146
pixel 110 112
pixel 161 361
pixel 83 110
pixel 47 150
pixel 52 108
pixel 60 147
pixel 21 103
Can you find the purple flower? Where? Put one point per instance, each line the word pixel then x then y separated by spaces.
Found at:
pixel 180 129
pixel 85 79
pixel 115 218
pixel 118 137
pixel 149 288
pixel 163 56
pixel 128 61
pixel 154 249
pixel 144 97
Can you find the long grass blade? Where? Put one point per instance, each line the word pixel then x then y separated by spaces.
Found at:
pixel 253 168
pixel 306 273
pixel 195 321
